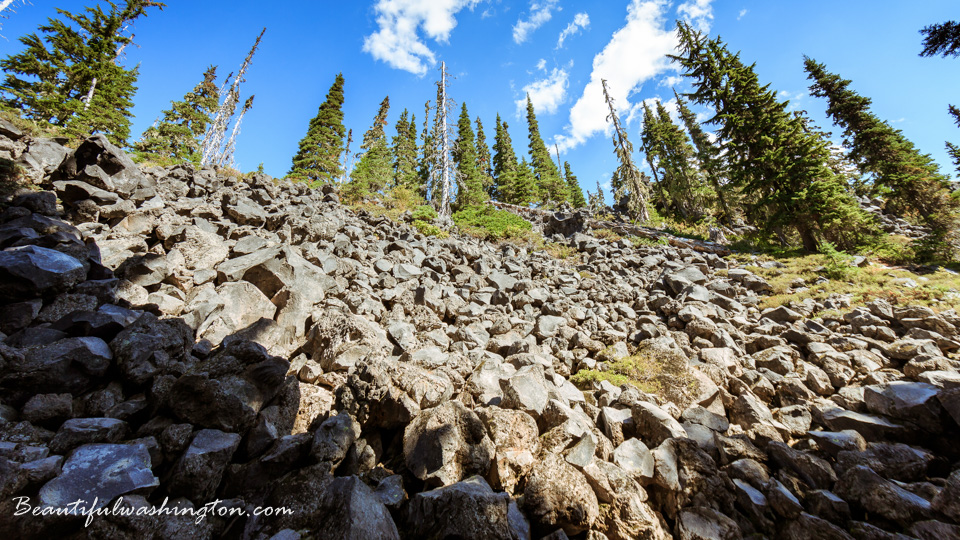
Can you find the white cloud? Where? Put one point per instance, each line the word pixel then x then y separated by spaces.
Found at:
pixel 671 81
pixel 698 13
pixel 398 41
pixel 580 21
pixel 542 64
pixel 546 94
pixel 636 53
pixel 742 14
pixel 541 11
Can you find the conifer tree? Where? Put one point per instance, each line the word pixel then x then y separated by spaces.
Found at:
pixel 318 158
pixel 373 170
pixel 670 156
pixel 484 161
pixel 771 153
pixel 426 159
pixel 573 187
pixel 524 191
pixel 470 190
pixel 627 182
pixel 77 83
pixel 911 181
pixel 596 202
pixel 708 157
pixel 405 152
pixel 177 136
pixel 944 39
pixel 515 183
pixel 551 187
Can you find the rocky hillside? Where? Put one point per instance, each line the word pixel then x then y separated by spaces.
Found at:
pixel 184 339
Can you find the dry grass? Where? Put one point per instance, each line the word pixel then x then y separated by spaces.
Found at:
pixel 939 290
pixel 653 369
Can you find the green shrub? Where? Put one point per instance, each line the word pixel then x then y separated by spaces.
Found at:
pixel 428 229
pixel 638 241
pixel 837 263
pixel 424 213
pixel 486 222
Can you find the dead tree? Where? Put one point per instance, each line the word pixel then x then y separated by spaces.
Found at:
pixel 214 151
pixel 442 170
pixel 627 181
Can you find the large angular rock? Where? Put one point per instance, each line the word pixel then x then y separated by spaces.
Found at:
pixel 100 163
pixel 242 305
pixel 79 431
pixel 557 495
pixel 31 271
pixel 467 509
pixel 227 390
pixel 199 470
pixel 66 365
pixel 635 458
pixel 516 441
pixel 336 508
pixel 703 523
pixel 526 391
pixel 654 425
pixel 444 444
pixel 151 346
pixel 861 485
pixel 947 502
pixel 915 402
pixel 101 472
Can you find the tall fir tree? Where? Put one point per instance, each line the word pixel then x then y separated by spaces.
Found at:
pixel 178 135
pixel 671 158
pixel 709 158
pixel 910 181
pixel 484 160
pixel 514 184
pixel 470 190
pixel 573 187
pixel 373 170
pixel 785 171
pixel 551 187
pixel 405 152
pixel 318 157
pixel 943 39
pixel 77 83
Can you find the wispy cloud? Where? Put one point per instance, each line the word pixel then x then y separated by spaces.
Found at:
pixel 580 21
pixel 546 94
pixel 636 53
pixel 742 14
pixel 398 41
pixel 698 12
pixel 541 11
pixel 542 64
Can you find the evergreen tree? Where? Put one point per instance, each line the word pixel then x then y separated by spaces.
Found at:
pixel 484 161
pixel 405 152
pixel 470 191
pixel 941 39
pixel 373 171
pixel 318 158
pixel 573 187
pixel 551 187
pixel 426 143
pixel 911 181
pixel 523 191
pixel 77 82
pixel 944 39
pixel 708 157
pixel 596 202
pixel 178 135
pixel 771 154
pixel 670 156
pixel 515 182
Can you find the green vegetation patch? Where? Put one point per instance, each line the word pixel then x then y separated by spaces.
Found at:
pixel 484 221
pixel 653 369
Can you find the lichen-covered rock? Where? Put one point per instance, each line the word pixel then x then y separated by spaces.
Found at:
pixel 444 444
pixel 557 495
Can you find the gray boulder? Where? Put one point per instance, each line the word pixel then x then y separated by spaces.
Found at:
pixel 444 444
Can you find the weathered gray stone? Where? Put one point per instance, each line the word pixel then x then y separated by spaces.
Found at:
pixel 466 509
pixel 444 444
pixel 199 470
pixel 30 271
pixel 101 472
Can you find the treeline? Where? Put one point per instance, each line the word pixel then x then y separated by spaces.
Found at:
pixel 752 161
pixel 448 162
pixel 775 170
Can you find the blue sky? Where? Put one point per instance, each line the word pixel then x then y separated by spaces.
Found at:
pixel 500 49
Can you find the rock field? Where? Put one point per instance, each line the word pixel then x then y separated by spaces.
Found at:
pixel 185 335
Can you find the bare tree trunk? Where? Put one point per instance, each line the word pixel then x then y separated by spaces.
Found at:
pixel 213 140
pixel 444 143
pixel 227 157
pixel 629 171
